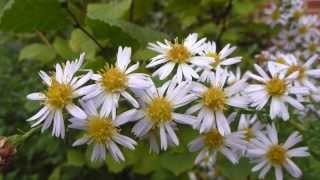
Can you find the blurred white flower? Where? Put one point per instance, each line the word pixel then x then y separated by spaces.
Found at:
pixel 266 152
pixel 63 88
pixel 277 88
pixel 103 132
pixel 213 142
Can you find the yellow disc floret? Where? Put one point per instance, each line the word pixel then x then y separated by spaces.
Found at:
pixel 213 139
pixel 215 57
pixel 159 110
pixel 214 98
pixel 248 134
pixel 113 79
pixel 178 53
pixel 59 95
pixel 295 68
pixel 276 87
pixel 276 155
pixel 100 129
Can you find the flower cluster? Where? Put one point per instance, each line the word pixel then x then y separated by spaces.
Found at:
pixel 296 46
pixel 197 88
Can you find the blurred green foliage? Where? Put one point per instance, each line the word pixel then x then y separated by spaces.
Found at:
pixel 36 34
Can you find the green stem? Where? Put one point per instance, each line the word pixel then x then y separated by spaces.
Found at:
pixel 19 139
pixel 297 126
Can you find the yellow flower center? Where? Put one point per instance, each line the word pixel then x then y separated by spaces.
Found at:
pixel 113 79
pixel 295 68
pixel 59 95
pixel 297 14
pixel 216 59
pixel 280 60
pixel 159 110
pixel 276 155
pixel 248 134
pixel 213 139
pixel 101 129
pixel 179 53
pixel 276 87
pixel 303 29
pixel 275 15
pixel 312 47
pixel 214 98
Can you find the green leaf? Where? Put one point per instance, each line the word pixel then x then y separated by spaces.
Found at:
pixel 30 15
pixel 37 51
pixel 80 42
pixel 75 158
pixel 114 166
pixel 55 175
pixel 96 13
pixel 62 48
pixel 114 9
pixel 177 162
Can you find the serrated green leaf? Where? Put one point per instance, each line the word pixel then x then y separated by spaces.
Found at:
pixel 30 15
pixel 75 158
pixel 141 34
pixel 37 51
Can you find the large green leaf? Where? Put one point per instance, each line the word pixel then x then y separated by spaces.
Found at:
pixel 37 51
pixel 31 15
pixel 100 14
pixel 80 42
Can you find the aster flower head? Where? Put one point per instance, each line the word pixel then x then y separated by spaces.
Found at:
pixel 266 152
pixel 63 88
pixel 214 99
pixel 213 142
pixel 181 55
pixel 158 113
pixel 305 71
pixel 113 82
pixel 219 59
pixel 250 125
pixel 275 87
pixel 103 132
pixel 275 16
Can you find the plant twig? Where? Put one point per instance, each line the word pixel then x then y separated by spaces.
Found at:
pixel 77 24
pixel 131 11
pixel 223 20
pixel 43 38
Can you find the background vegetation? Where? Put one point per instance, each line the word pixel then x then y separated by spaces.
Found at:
pixel 36 34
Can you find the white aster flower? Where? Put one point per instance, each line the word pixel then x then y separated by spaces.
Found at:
pixel 184 55
pixel 103 132
pixel 305 72
pixel 250 125
pixel 266 152
pixel 113 82
pixel 307 27
pixel 219 59
pixel 276 87
pixel 214 100
pixel 275 15
pixel 158 113
pixel 63 89
pixel 212 142
pixel 312 47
